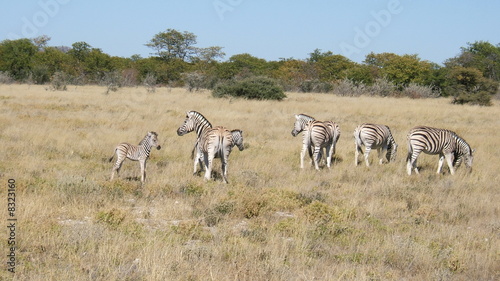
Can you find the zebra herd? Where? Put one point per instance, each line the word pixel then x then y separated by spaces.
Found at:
pixel 217 142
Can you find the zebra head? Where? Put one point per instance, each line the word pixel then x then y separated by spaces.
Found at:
pixel 151 140
pixel 301 120
pixel 238 138
pixel 469 158
pixel 391 153
pixel 194 121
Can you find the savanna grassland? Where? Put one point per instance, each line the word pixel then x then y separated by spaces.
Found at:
pixel 273 221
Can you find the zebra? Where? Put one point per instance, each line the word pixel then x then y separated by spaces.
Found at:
pixel 194 121
pixel 135 153
pixel 374 136
pixel 444 142
pixel 317 135
pixel 217 143
pixel 237 140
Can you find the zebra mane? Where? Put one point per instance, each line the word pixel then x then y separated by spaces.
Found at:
pixel 305 116
pixel 148 136
pixel 200 116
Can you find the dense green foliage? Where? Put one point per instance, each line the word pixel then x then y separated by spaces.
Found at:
pixel 470 77
pixel 256 88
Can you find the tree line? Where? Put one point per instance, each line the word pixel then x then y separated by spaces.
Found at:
pixel 472 76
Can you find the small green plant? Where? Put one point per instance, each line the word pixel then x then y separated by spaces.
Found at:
pixel 113 218
pixel 257 88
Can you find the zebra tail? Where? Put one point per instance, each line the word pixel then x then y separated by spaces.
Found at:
pixel 359 143
pixel 410 151
pixel 192 152
pixel 112 156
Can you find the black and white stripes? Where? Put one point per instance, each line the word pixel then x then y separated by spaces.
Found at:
pixel 444 142
pixel 317 135
pixel 211 142
pixel 374 136
pixel 136 153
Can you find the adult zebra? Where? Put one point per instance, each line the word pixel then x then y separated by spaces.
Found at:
pixel 444 142
pixel 218 143
pixel 135 153
pixel 206 151
pixel 374 136
pixel 194 121
pixel 317 135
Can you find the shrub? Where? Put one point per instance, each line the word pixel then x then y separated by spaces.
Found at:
pixel 258 88
pixel 416 91
pixel 482 98
pixel 5 78
pixel 150 82
pixel 315 86
pixel 59 81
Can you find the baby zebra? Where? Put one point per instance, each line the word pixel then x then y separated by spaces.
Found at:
pixel 374 136
pixel 438 141
pixel 218 142
pixel 136 153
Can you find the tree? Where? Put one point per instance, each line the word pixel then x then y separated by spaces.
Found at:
pixel 173 44
pixel 481 55
pixel 16 57
pixel 80 51
pixel 247 65
pixel 467 85
pixel 400 70
pixel 330 67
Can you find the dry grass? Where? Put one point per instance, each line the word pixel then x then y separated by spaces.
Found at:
pixel 272 222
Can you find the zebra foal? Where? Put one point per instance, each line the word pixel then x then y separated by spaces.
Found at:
pixel 135 153
pixel 444 142
pixel 374 136
pixel 317 135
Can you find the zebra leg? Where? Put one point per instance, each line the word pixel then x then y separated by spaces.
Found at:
pixel 208 165
pixel 117 167
pixel 356 154
pixel 367 155
pixel 412 163
pixel 329 151
pixel 449 160
pixel 302 155
pixel 316 157
pixel 142 162
pixel 440 163
pixel 224 168
pixel 381 151
pixel 198 160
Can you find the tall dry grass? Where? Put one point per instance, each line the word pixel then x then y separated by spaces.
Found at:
pixel 273 221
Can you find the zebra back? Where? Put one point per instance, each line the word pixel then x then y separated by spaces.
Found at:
pixel 301 122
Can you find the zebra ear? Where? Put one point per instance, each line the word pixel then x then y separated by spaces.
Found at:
pixel 474 150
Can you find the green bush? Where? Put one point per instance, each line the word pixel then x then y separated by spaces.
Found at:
pixel 482 98
pixel 257 88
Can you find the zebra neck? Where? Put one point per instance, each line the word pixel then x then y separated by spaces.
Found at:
pixel 147 148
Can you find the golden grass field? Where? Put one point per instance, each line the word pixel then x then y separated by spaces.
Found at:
pixel 273 221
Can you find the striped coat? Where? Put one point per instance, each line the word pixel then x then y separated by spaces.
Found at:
pixel 135 153
pixel 218 142
pixel 374 136
pixel 444 142
pixel 317 135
